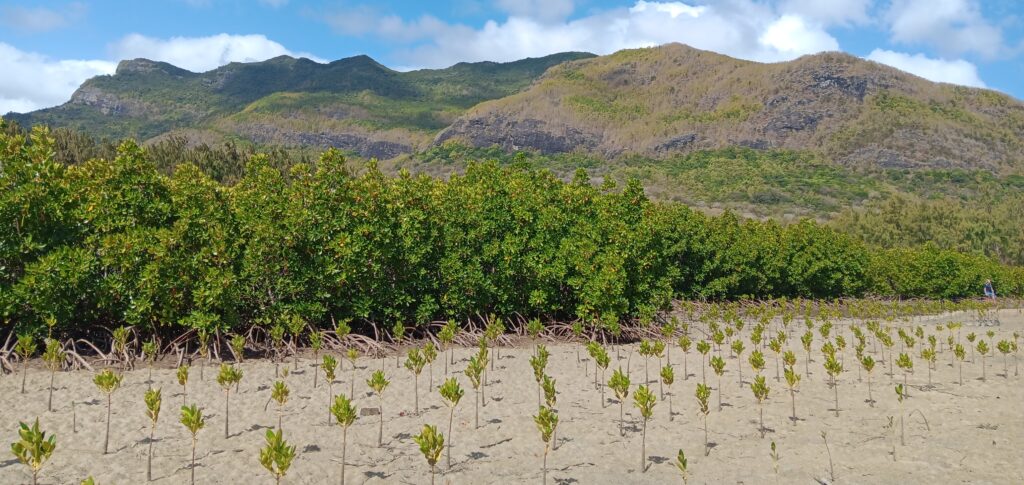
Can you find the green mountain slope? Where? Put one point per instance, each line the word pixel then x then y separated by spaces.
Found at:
pixel 354 104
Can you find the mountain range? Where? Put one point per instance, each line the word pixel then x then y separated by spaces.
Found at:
pixel 655 102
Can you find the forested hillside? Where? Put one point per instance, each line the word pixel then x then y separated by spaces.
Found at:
pixel 112 241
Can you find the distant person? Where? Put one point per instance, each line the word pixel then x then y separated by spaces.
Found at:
pixel 990 292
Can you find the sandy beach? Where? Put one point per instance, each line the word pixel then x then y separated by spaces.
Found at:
pixel 974 432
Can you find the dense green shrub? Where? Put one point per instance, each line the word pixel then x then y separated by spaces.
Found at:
pixel 111 242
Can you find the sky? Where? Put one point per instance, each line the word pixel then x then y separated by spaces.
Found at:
pixel 48 48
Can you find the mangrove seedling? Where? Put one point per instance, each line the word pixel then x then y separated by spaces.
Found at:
pixel 684 345
pixel 431 444
pixel 107 382
pixel 959 352
pixel 539 363
pixel 279 393
pixel 928 356
pixel 868 363
pixel 452 393
pixel 277 342
pixel 352 354
pixel 153 402
pixel 833 367
pixel 756 361
pixel 737 348
pixel 344 414
pixel 429 355
pixel 276 456
pixel 776 346
pixel 182 375
pixel 619 384
pixel 26 347
pixel 681 466
pixel 54 358
pixel 668 376
pixel 228 376
pixel 474 371
pixel 447 338
pixel 982 351
pixel 149 353
pixel 316 342
pixel 792 381
pixel 907 365
pixel 192 419
pixel 415 362
pixel 33 448
pixel 204 352
pixel 329 364
pixel 1004 348
pixel 806 340
pixel 644 401
pixel 703 347
pixel 602 360
pixel 379 383
pixel 775 461
pixel 718 365
pixel 760 389
pixel 547 421
pixel 703 394
pixel 900 396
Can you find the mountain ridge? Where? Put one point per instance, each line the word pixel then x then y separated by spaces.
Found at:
pixel 653 102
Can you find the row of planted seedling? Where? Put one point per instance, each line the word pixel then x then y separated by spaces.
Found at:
pixel 277 457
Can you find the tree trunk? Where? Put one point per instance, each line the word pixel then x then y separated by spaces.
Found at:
pixel 544 466
pixel 476 406
pixel 761 410
pixel 49 402
pixel 643 448
pixel 330 398
pixel 344 446
pixel 622 430
pixel 670 416
pixel 871 401
pixel 316 371
pixel 380 427
pixel 149 460
pixel 193 468
pixel 719 393
pixel 106 438
pixel 24 374
pixel 352 383
pixel 451 416
pixel 416 392
pixel 707 451
pixel 835 387
pixel 227 413
pixel 792 396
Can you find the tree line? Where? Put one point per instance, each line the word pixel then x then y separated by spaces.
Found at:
pixel 114 241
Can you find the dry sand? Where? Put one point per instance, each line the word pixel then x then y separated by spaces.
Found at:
pixel 976 431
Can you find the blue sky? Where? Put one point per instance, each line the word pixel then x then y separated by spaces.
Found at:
pixel 48 48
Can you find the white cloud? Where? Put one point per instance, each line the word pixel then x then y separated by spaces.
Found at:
pixel 953 26
pixel 741 28
pixel 956 71
pixel 40 19
pixel 32 81
pixel 543 10
pixel 829 12
pixel 791 36
pixel 199 54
